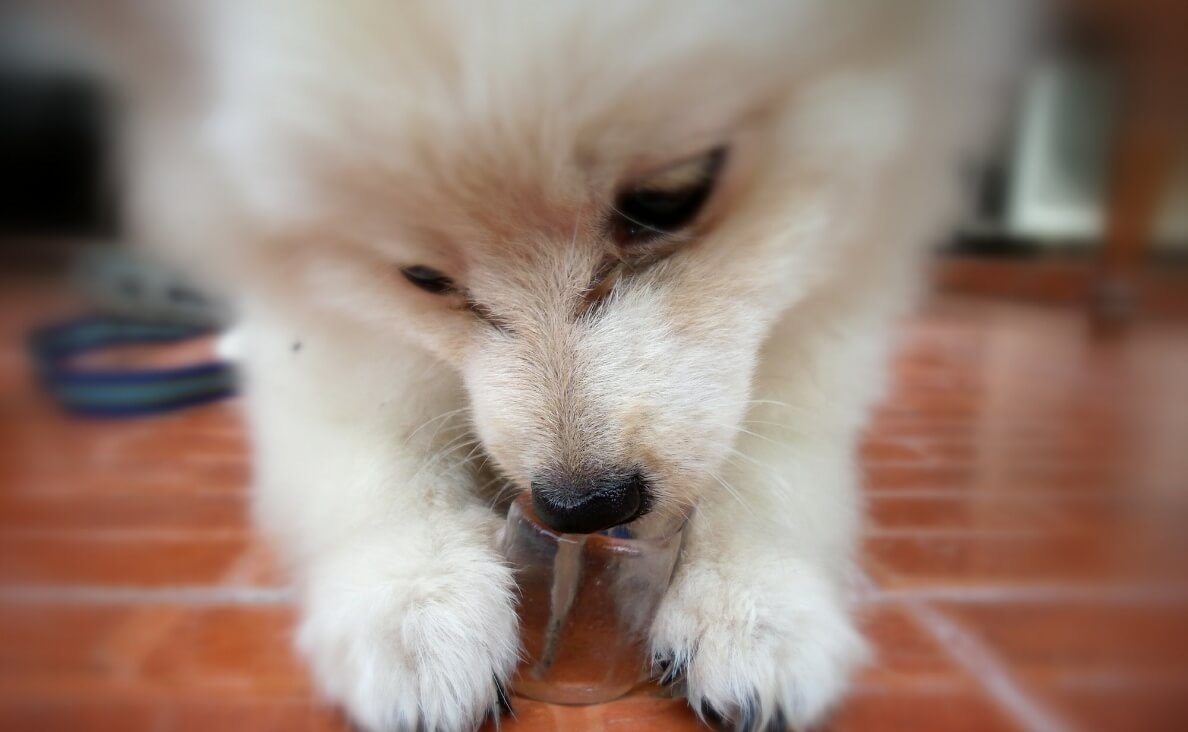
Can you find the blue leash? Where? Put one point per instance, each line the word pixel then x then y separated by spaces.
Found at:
pixel 123 392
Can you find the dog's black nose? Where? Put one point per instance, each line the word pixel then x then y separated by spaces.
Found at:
pixel 585 503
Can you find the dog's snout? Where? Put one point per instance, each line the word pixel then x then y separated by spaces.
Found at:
pixel 585 503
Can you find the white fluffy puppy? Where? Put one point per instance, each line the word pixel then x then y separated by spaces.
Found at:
pixel 639 258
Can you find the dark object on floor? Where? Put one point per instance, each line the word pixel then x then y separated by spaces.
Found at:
pixel 111 392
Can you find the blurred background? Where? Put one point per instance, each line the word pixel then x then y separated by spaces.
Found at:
pixel 1027 478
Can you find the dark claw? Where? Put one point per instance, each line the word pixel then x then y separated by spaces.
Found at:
pixel 747 717
pixel 744 719
pixel 749 720
pixel 505 705
pixel 502 703
pixel 713 717
pixel 670 671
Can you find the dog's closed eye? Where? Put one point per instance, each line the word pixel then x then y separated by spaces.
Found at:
pixel 433 281
pixel 428 279
pixel 668 201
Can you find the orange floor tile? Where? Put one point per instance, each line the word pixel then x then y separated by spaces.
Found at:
pixel 1025 549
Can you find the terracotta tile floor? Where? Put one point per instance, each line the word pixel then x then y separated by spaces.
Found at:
pixel 1026 548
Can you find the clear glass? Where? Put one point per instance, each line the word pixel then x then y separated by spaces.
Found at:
pixel 586 604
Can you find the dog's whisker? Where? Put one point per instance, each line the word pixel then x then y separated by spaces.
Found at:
pixel 431 420
pixel 484 463
pixel 467 438
pixel 501 494
pixel 672 512
pixel 462 444
pixel 637 222
pixel 768 470
pixel 782 425
pixel 442 425
pixel 756 435
pixel 577 224
pixel 478 445
pixel 452 447
pixel 796 410
pixel 488 483
pixel 735 452
pixel 775 403
pixel 733 492
pixel 442 456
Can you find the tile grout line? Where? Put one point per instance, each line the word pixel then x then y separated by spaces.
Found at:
pixel 136 534
pixel 986 668
pixel 131 645
pixel 117 535
pixel 967 493
pixel 1128 594
pixel 943 533
pixel 206 595
pixel 196 596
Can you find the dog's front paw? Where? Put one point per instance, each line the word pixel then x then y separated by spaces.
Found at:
pixel 756 652
pixel 404 642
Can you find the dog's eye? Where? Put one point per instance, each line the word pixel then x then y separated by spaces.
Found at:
pixel 668 201
pixel 428 279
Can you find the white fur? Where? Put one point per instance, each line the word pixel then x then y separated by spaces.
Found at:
pixel 337 142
